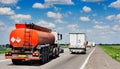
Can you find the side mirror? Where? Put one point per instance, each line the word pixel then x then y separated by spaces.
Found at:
pixel 59 36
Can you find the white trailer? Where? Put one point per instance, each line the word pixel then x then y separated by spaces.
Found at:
pixel 89 44
pixel 77 43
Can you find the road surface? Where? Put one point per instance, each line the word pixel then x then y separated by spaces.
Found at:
pixel 67 61
pixel 64 61
pixel 100 60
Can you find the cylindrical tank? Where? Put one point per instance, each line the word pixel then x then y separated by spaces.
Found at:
pixel 20 36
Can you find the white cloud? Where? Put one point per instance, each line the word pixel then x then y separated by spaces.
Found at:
pixel 69 12
pixel 18 7
pixel 118 17
pixel 59 1
pixel 58 21
pixel 115 4
pixel 116 27
pixel 113 17
pixel 19 17
pixel 46 24
pixel 101 27
pixel 72 26
pixel 92 0
pixel 5 27
pixel 8 2
pixel 87 9
pixel 56 8
pixel 110 17
pixel 54 15
pixel 85 19
pixel 96 22
pixel 6 11
pixel 50 3
pixel 38 5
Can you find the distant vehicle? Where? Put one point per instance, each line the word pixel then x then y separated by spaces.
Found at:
pixel 89 44
pixel 77 42
pixel 93 44
pixel 33 42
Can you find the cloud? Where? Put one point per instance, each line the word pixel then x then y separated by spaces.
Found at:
pixel 59 2
pixel 8 2
pixel 58 21
pixel 19 17
pixel 92 0
pixel 85 19
pixel 72 26
pixel 50 3
pixel 116 27
pixel 5 27
pixel 96 22
pixel 54 15
pixel 18 7
pixel 87 9
pixel 113 17
pixel 110 17
pixel 115 4
pixel 101 27
pixel 6 11
pixel 46 24
pixel 38 5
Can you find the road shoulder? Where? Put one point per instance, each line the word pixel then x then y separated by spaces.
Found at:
pixel 100 60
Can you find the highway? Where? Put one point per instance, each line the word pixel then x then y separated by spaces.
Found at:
pixel 98 60
pixel 64 61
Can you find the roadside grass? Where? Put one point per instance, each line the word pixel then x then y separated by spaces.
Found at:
pixel 64 45
pixel 112 50
pixel 4 49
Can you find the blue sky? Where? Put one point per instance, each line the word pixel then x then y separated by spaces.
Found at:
pixel 99 19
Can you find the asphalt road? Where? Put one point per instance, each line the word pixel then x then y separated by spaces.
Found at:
pixel 100 60
pixel 64 61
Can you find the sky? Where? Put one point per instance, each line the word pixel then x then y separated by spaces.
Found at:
pixel 99 19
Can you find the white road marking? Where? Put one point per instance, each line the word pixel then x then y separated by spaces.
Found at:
pixel 4 60
pixel 86 61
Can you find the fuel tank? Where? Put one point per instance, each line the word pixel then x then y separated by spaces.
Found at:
pixel 24 36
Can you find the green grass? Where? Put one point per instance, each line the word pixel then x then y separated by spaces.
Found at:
pixel 112 50
pixel 4 49
pixel 64 45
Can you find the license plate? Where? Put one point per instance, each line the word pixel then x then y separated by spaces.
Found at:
pixel 22 56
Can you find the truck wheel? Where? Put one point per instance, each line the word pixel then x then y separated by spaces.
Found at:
pixel 42 61
pixel 54 53
pixel 45 54
pixel 48 57
pixel 57 52
pixel 16 62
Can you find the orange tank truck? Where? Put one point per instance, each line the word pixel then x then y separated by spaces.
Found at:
pixel 32 42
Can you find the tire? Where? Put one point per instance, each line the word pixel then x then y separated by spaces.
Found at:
pixel 57 52
pixel 42 61
pixel 53 53
pixel 48 57
pixel 16 62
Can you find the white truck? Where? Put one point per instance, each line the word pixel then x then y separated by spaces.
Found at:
pixel 77 43
pixel 93 44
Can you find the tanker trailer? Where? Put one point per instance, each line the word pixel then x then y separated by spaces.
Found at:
pixel 32 42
